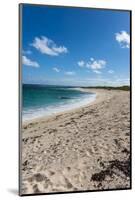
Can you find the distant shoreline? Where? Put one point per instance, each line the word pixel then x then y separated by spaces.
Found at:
pixel 123 87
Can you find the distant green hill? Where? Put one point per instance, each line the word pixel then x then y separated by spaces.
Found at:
pixel 125 87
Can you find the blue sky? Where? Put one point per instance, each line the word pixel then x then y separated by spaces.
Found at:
pixel 74 46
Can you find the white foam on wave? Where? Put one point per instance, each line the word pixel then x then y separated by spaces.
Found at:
pixel 30 114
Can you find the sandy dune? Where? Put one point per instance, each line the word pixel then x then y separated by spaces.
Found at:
pixel 84 149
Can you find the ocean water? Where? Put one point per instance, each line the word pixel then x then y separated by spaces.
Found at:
pixel 41 100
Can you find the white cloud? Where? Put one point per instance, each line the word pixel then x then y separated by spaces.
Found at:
pixel 110 71
pixel 47 46
pixel 107 82
pixel 56 69
pixel 70 73
pixel 28 62
pixel 98 81
pixel 81 63
pixel 26 52
pixel 97 71
pixel 123 39
pixel 96 64
pixel 123 80
pixel 88 65
pixel 92 59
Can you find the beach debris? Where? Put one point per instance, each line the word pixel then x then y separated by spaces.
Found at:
pixel 123 166
pixel 125 151
pixel 38 177
pixel 36 189
pixel 101 175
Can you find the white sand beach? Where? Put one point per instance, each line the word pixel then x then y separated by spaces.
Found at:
pixel 83 149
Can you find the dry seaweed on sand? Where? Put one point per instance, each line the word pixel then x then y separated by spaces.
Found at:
pixel 123 166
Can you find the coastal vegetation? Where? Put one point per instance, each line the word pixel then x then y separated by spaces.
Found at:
pixel 124 87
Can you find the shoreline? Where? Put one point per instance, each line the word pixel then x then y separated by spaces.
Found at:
pixel 87 148
pixel 98 97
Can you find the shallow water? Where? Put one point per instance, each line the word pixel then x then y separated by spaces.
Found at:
pixel 41 100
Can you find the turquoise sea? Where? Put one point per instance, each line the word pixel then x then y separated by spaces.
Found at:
pixel 45 100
